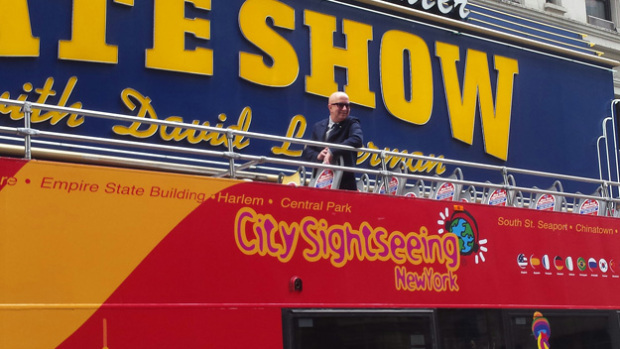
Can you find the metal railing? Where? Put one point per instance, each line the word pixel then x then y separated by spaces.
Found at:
pixel 235 164
pixel 611 155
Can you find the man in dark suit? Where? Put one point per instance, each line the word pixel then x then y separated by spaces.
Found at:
pixel 340 128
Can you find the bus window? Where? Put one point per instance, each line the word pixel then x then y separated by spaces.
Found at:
pixel 470 328
pixel 569 329
pixel 322 329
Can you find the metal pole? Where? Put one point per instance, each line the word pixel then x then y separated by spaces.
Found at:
pixel 508 186
pixel 614 119
pixel 27 110
pixel 231 166
pixel 386 178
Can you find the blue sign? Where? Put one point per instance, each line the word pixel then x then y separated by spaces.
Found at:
pixel 268 66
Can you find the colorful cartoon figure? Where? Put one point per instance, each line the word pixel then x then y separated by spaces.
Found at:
pixel 541 330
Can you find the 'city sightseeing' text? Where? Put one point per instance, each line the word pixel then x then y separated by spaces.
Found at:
pixel 263 235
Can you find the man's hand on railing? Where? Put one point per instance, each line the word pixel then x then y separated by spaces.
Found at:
pixel 325 156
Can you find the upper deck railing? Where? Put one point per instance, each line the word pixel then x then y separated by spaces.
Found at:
pixel 29 142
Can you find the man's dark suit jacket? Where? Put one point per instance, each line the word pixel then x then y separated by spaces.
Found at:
pixel 348 132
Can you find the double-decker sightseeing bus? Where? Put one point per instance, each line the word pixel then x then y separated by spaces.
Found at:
pixel 153 192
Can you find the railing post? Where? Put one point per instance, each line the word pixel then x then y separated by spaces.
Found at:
pixel 606 195
pixel 614 119
pixel 509 198
pixel 231 161
pixel 384 174
pixel 27 110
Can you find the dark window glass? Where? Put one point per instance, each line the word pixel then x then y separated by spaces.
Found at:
pixel 598 8
pixel 447 329
pixel 470 328
pixel 360 331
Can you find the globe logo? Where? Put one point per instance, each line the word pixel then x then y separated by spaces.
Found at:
pixel 467 237
pixel 462 224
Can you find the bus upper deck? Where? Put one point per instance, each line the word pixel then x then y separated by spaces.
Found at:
pixel 390 172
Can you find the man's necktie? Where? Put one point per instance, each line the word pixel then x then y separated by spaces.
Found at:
pixel 330 130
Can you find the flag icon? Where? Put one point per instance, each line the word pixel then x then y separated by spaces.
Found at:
pixel 592 264
pixel 522 261
pixel 612 266
pixel 558 262
pixel 581 264
pixel 569 263
pixel 534 262
pixel 602 264
pixel 545 262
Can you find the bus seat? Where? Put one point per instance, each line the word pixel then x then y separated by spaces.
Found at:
pixel 445 190
pixel 470 194
pixel 418 190
pixel 363 183
pixel 592 207
pixel 395 185
pixel 296 179
pixel 501 196
pixel 549 201
pixel 327 178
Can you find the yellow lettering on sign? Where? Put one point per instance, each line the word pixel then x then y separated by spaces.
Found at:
pixel 88 35
pixel 296 129
pixel 135 100
pixel 282 67
pixel 418 109
pixel 128 96
pixel 44 93
pixel 55 117
pixel 496 126
pixel 324 57
pixel 16 38
pixel 392 161
pixel 477 85
pixel 170 27
pixel 175 134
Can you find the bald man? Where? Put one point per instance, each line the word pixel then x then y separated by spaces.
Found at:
pixel 343 129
